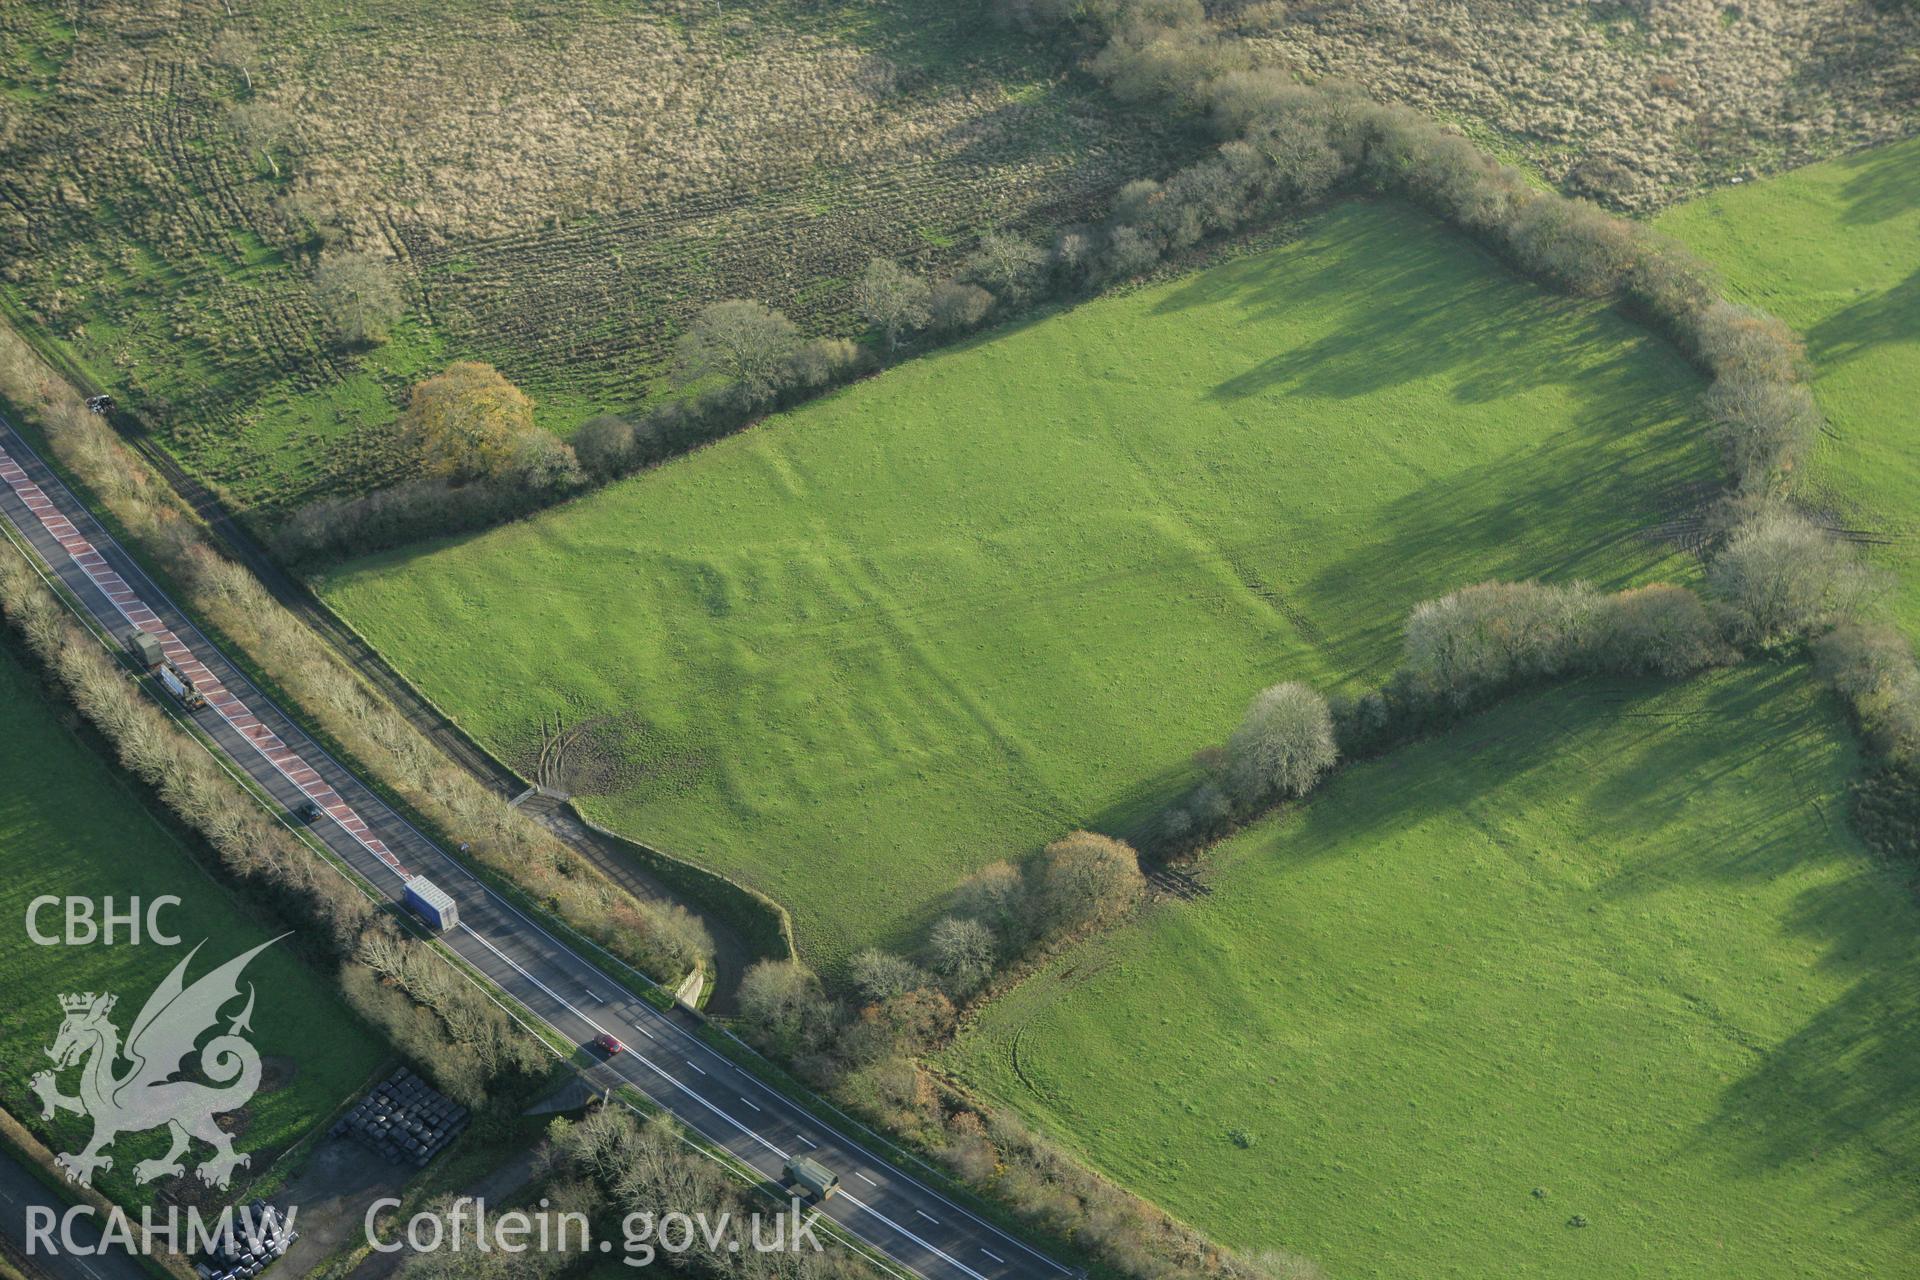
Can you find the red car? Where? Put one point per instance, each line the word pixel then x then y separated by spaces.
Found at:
pixel 608 1045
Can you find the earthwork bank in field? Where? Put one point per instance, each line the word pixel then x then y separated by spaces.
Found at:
pixel 1009 589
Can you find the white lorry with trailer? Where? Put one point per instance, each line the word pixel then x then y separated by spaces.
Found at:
pixel 431 903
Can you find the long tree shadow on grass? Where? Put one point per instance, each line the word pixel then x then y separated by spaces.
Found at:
pixel 1854 330
pixel 1571 506
pixel 1877 190
pixel 1849 1077
pixel 1413 299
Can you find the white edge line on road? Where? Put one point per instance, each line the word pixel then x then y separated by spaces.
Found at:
pixel 272 808
pixel 648 1064
pixel 866 1245
pixel 530 978
pixel 934 1249
pixel 845 1138
pixel 225 766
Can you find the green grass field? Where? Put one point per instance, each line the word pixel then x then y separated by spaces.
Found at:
pixel 1010 588
pixel 1613 942
pixel 70 826
pixel 1834 249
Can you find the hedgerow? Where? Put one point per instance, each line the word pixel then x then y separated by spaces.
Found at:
pixel 1635 105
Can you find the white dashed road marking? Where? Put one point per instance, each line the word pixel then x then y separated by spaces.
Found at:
pixel 530 978
pixel 778 1153
pixel 934 1249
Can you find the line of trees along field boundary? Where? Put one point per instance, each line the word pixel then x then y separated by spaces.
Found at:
pixel 1284 146
pixel 419 1005
pixel 421 1002
pixel 660 939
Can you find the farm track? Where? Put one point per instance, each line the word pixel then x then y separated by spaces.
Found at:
pixel 731 954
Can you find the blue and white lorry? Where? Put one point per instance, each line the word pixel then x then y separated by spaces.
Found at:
pixel 431 903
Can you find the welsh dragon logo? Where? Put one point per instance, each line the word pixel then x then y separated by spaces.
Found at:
pixel 148 1094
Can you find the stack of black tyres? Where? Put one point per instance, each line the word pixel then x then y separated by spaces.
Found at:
pixel 404 1119
pixel 255 1236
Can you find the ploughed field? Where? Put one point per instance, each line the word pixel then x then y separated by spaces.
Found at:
pixel 1009 589
pixel 1834 250
pixel 1607 955
pixel 71 826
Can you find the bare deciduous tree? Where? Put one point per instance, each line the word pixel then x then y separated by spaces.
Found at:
pixel 782 1000
pixel 1283 745
pixel 1765 426
pixel 961 951
pixel 880 975
pixel 747 343
pixel 893 300
pixel 957 307
pixel 1785 577
pixel 1006 265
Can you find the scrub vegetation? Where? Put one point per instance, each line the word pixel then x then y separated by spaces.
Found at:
pixel 1489 987
pixel 214 208
pixel 1633 104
